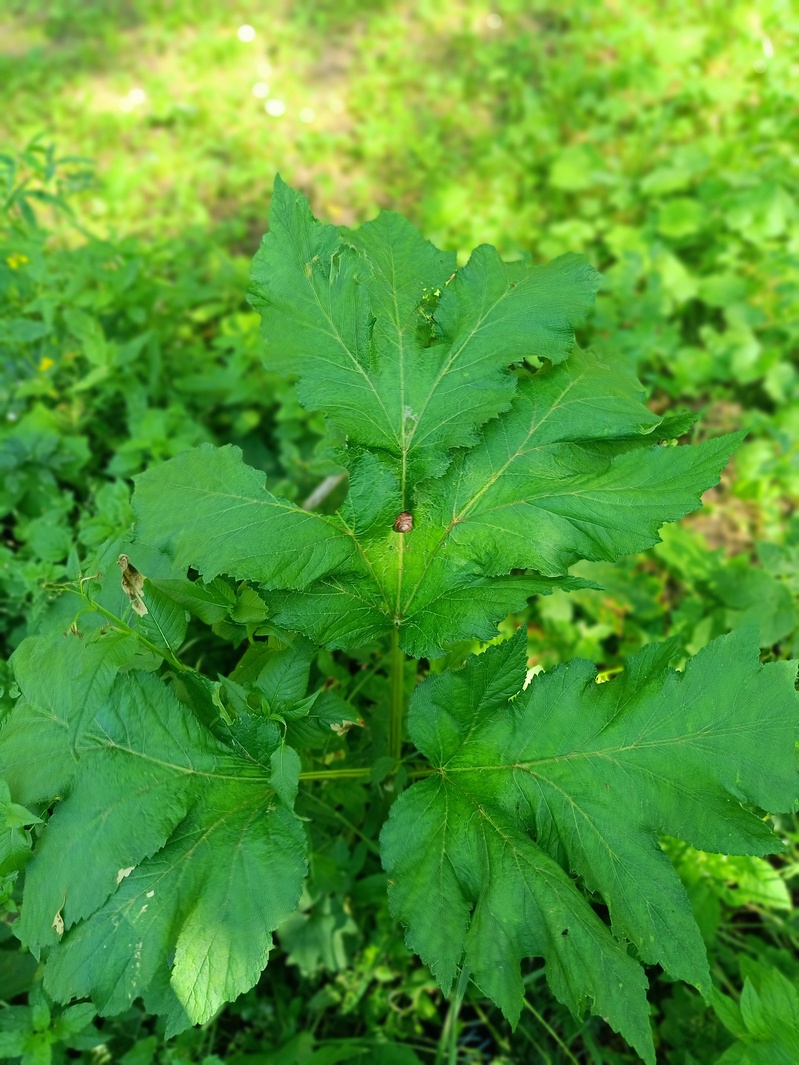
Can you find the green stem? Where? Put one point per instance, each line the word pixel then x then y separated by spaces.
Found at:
pixel 551 1031
pixel 370 844
pixel 119 624
pixel 358 774
pixel 500 1039
pixel 397 701
pixel 336 774
pixel 448 1042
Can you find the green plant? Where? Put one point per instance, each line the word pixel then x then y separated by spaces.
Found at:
pixel 36 1036
pixel 766 1019
pixel 485 455
pixel 88 329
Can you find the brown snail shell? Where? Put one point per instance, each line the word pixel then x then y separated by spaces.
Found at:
pixel 403 522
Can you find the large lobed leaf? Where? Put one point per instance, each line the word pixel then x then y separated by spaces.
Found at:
pixel 172 858
pixel 569 779
pixel 570 472
pixel 207 508
pixel 350 314
pixel 412 359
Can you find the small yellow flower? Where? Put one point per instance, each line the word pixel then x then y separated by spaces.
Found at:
pixel 16 259
pixel 45 364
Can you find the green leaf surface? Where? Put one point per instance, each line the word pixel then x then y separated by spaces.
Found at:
pixel 210 602
pixel 164 624
pixel 206 509
pixel 279 674
pixel 354 315
pixel 454 517
pixel 571 472
pixel 570 777
pixel 193 852
pixel 73 1021
pixel 64 681
pixel 15 843
pixel 767 1021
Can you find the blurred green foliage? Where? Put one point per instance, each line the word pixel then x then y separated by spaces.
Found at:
pixel 658 139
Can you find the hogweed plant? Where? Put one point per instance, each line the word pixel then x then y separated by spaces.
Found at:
pixel 485 455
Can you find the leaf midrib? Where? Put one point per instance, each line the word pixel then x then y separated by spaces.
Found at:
pixel 609 753
pixel 458 517
pixel 340 340
pixel 107 742
pixel 452 358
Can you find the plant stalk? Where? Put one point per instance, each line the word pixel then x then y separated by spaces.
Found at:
pixel 448 1041
pixel 397 700
pixel 166 653
pixel 337 774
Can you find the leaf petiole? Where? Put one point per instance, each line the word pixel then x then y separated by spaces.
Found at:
pixel 118 623
pixel 337 774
